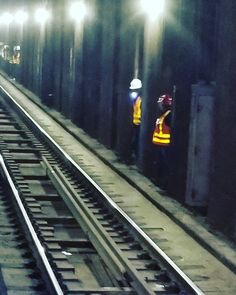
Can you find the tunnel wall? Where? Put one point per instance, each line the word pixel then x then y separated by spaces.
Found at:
pixel 222 204
pixel 83 70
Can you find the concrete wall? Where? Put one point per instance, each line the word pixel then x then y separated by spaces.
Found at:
pixel 84 70
pixel 222 206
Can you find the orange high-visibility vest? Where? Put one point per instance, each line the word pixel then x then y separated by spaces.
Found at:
pixel 137 111
pixel 161 134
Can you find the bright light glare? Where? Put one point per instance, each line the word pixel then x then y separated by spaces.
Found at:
pixel 6 18
pixel 42 15
pixel 78 11
pixel 153 8
pixel 21 16
pixel 133 95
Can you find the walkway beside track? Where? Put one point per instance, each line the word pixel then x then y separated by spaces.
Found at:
pixel 130 189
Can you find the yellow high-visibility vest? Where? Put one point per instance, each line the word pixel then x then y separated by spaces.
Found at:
pixel 161 134
pixel 137 111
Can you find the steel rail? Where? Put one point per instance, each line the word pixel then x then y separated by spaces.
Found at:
pixel 105 246
pixel 53 281
pixel 182 276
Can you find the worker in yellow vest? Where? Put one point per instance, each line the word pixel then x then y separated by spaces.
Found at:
pixel 161 134
pixel 135 96
pixel 16 55
pixel 162 139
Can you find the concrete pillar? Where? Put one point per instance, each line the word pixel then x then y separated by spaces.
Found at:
pixel 184 57
pixel 66 66
pixel 57 56
pixel 48 67
pixel 75 91
pixel 108 60
pixel 222 203
pixel 91 72
pixel 152 73
pixel 127 48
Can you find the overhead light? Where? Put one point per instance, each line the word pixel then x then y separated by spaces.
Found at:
pixel 21 16
pixel 42 15
pixel 78 10
pixel 153 8
pixel 6 18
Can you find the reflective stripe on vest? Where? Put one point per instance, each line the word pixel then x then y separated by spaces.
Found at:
pixel 137 111
pixel 161 135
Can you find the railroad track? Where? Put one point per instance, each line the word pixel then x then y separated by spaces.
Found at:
pixel 90 245
pixel 19 271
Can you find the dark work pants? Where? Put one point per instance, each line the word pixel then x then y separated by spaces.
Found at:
pixel 163 161
pixel 135 139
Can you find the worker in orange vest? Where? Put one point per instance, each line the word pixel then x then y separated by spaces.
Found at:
pixel 162 139
pixel 135 96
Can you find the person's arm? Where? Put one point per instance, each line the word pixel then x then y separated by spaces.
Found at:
pixel 168 120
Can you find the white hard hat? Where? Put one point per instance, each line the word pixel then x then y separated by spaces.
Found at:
pixel 135 84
